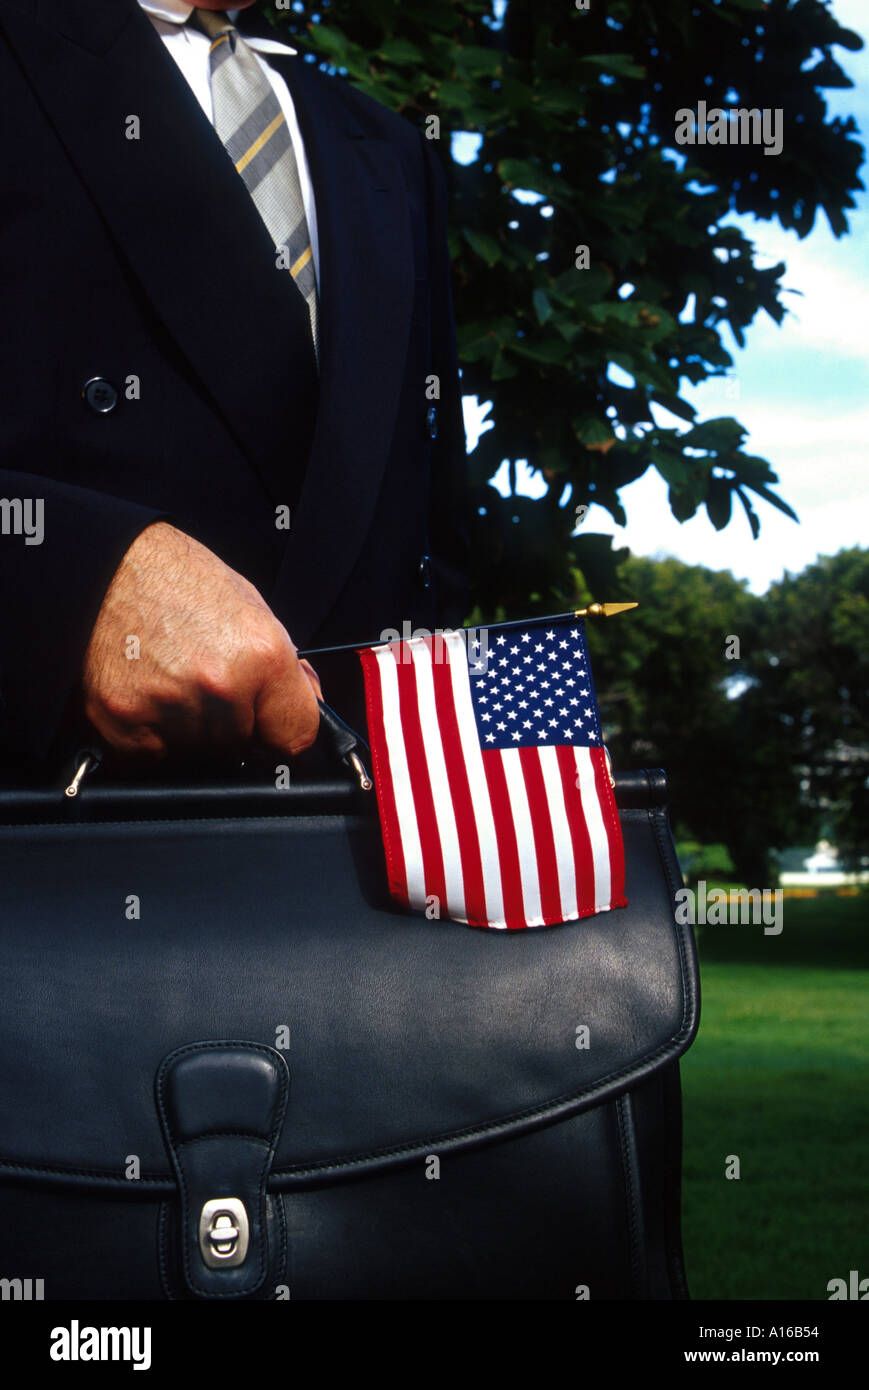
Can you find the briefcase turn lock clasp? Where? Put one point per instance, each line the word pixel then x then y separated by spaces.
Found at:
pixel 224 1232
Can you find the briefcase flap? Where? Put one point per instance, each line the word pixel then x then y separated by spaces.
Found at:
pixel 404 1037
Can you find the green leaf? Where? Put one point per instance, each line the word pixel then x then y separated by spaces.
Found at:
pixel 616 64
pixel 719 502
pixel 485 246
pixel 591 429
pixel 559 99
pixel 399 51
pixel 683 504
pixel 476 342
pixel 617 311
pixel 542 305
pixel 552 460
pixel 610 501
pixel 524 173
pixel 721 435
pixel 581 286
pixel 331 42
pixel 502 368
pixel 749 512
pixel 479 61
pixel 517 96
pixel 521 173
pixel 548 352
pixel 675 405
pixel 771 497
pixel 454 94
pixel 672 468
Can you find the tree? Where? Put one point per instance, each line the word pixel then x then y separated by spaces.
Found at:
pixel 675 693
pixel 758 707
pixel 624 257
pixel 810 665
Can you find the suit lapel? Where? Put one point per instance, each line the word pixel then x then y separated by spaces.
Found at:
pixel 366 299
pixel 186 223
pixel 179 213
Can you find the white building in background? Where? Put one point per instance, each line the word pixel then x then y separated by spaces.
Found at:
pixel 820 869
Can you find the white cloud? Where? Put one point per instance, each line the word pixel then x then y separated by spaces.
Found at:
pixel 782 544
pixel 831 307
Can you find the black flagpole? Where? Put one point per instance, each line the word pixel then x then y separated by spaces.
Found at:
pixel 596 610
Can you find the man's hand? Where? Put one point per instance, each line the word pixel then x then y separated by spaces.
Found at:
pixel 186 655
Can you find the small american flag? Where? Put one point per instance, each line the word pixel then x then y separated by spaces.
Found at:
pixel 492 781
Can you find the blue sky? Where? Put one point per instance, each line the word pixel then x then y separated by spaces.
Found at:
pixel 801 390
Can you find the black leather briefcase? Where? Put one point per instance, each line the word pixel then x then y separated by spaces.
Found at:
pixel 231 1069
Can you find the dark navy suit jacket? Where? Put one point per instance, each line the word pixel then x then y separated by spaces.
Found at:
pixel 145 258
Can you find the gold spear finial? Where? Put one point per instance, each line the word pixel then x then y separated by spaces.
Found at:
pixel 603 610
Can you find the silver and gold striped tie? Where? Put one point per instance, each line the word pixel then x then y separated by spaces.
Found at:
pixel 249 120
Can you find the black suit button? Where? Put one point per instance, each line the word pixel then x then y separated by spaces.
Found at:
pixel 431 422
pixel 425 571
pixel 100 395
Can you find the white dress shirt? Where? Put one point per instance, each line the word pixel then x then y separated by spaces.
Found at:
pixel 189 47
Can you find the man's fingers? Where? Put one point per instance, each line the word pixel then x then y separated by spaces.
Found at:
pixel 133 739
pixel 212 667
pixel 223 722
pixel 287 717
pixel 312 677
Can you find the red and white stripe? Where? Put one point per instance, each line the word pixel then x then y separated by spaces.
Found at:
pixel 519 837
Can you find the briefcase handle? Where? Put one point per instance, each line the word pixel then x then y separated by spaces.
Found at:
pixel 346 745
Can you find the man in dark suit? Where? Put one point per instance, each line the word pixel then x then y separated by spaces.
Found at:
pixel 208 460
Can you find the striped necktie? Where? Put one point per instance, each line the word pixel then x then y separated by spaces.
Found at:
pixel 249 120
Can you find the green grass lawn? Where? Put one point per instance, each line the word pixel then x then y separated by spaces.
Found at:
pixel 778 1076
